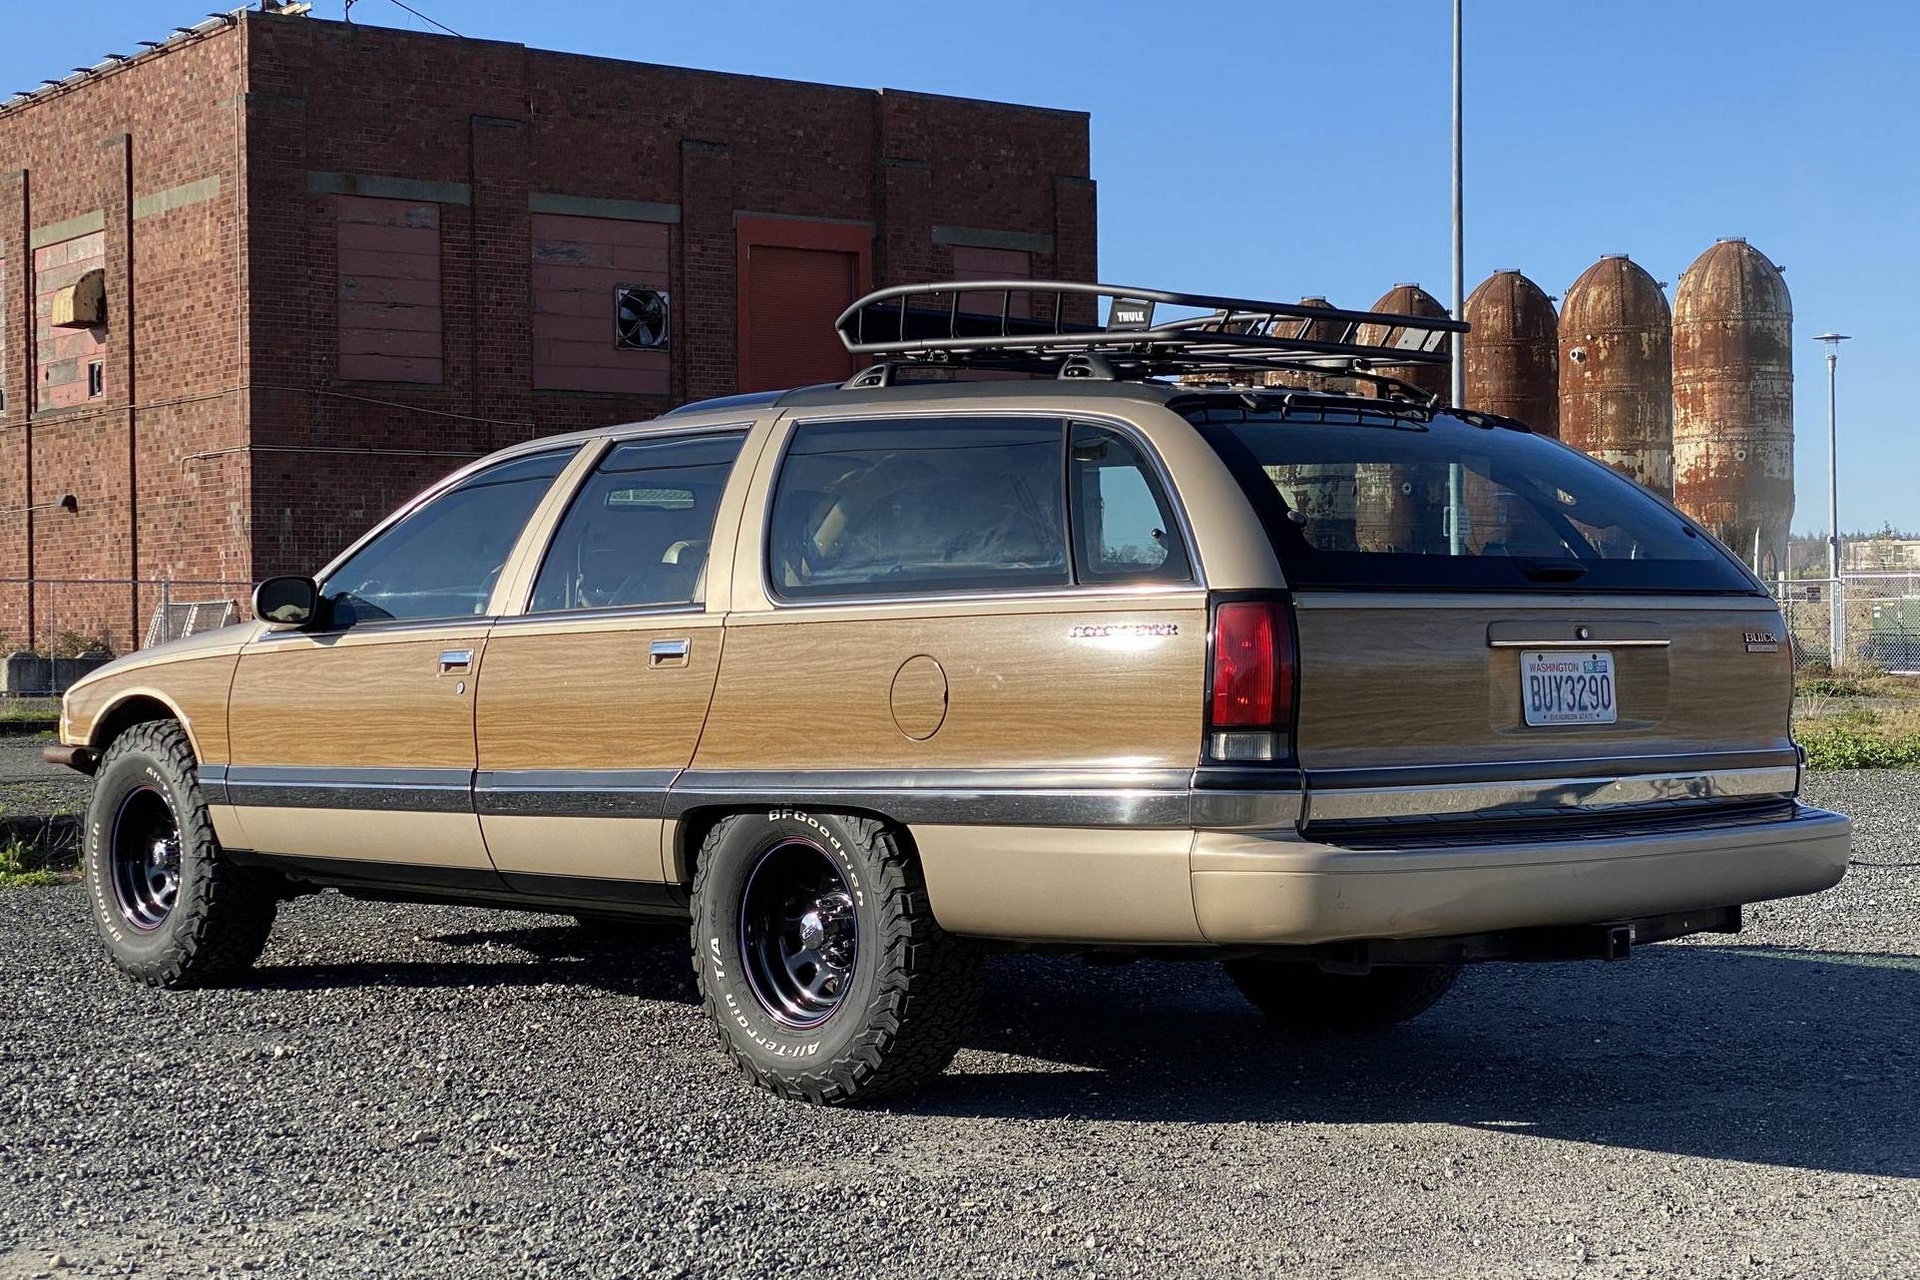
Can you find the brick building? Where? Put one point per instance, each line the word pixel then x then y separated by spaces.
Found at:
pixel 339 260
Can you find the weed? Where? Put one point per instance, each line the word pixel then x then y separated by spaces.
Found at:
pixel 23 867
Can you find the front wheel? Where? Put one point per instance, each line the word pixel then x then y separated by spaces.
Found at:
pixel 171 908
pixel 821 966
pixel 1303 996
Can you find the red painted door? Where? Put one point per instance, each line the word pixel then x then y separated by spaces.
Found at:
pixel 793 296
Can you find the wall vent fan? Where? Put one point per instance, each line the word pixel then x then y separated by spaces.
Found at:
pixel 642 318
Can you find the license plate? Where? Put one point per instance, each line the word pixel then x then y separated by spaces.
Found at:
pixel 1567 686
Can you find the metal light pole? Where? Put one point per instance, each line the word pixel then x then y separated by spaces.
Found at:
pixel 1836 613
pixel 1459 234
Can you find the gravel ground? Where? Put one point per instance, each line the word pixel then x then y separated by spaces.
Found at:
pixel 423 1092
pixel 31 786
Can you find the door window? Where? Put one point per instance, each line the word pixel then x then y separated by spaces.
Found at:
pixel 898 507
pixel 442 560
pixel 1123 525
pixel 637 532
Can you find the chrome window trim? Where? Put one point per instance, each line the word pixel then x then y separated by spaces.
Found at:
pixel 1638 643
pixel 1065 415
pixel 397 626
pixel 1563 795
pixel 612 613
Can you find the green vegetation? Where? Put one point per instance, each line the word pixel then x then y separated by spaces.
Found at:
pixel 1861 738
pixel 24 867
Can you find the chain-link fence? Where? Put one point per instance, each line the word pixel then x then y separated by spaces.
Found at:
pixel 54 630
pixel 1867 620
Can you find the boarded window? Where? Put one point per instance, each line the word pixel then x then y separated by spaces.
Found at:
pixel 971 263
pixel 390 325
pixel 579 266
pixel 62 355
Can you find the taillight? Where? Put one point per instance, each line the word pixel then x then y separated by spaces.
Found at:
pixel 1251 706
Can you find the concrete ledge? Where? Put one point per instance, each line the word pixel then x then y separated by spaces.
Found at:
pixel 177 197
pixel 79 225
pixel 598 207
pixel 980 238
pixel 385 188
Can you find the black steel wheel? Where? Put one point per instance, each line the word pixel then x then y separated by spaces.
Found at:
pixel 798 934
pixel 822 969
pixel 171 907
pixel 145 850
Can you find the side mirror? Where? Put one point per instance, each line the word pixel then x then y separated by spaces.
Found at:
pixel 287 602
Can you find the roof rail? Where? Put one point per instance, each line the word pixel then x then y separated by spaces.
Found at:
pixel 922 325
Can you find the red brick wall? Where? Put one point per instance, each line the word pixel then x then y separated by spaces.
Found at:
pixel 264 404
pixel 146 160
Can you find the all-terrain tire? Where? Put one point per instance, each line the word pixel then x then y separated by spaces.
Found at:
pixel 912 989
pixel 219 915
pixel 1303 996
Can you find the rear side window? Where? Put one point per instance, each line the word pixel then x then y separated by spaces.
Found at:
pixel 888 508
pixel 1444 503
pixel 637 532
pixel 1123 526
pixel 958 505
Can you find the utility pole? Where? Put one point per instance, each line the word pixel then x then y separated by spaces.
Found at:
pixel 1459 234
pixel 1836 617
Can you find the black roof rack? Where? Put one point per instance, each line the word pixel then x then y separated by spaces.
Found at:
pixel 922 325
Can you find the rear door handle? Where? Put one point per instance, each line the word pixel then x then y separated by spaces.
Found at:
pixel 453 661
pixel 668 653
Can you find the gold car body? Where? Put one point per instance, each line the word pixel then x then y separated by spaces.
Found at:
pixel 1043 749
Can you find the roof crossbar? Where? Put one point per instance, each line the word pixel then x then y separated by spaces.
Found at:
pixel 922 324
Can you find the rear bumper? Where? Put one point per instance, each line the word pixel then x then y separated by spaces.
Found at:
pixel 1277 889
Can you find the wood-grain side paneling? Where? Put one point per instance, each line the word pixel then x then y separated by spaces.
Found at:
pixel 1382 686
pixel 368 701
pixel 196 689
pixel 1107 683
pixel 584 694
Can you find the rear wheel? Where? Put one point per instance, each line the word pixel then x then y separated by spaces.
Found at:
pixel 171 908
pixel 823 971
pixel 1304 996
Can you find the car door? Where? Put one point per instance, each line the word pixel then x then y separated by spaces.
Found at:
pixel 353 740
pixel 597 689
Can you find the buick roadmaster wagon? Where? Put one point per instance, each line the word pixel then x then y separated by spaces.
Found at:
pixel 1190 635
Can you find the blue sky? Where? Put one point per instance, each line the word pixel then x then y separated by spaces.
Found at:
pixel 1279 149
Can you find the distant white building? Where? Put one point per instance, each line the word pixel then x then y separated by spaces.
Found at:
pixel 1881 555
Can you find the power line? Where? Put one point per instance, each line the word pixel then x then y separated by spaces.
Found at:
pixel 424 18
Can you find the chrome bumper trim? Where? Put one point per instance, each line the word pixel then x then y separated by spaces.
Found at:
pixel 1548 795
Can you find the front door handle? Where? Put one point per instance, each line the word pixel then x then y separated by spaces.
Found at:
pixel 668 653
pixel 455 661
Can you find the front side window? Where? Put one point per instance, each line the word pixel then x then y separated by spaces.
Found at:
pixel 919 505
pixel 443 559
pixel 1349 501
pixel 637 532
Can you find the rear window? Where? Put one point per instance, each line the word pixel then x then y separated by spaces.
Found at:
pixel 1380 501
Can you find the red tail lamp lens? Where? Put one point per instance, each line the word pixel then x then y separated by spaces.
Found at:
pixel 1246 664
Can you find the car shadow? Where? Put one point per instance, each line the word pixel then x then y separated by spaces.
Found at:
pixel 1801 1058
pixel 523 957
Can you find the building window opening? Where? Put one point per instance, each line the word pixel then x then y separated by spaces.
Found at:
pixel 96 378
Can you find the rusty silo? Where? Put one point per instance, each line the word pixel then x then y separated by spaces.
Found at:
pixel 1322 493
pixel 1513 354
pixel 1733 402
pixel 1616 371
pixel 1392 511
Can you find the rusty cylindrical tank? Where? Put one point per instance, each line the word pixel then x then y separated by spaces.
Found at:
pixel 1733 402
pixel 1321 493
pixel 1393 509
pixel 1616 371
pixel 1513 352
